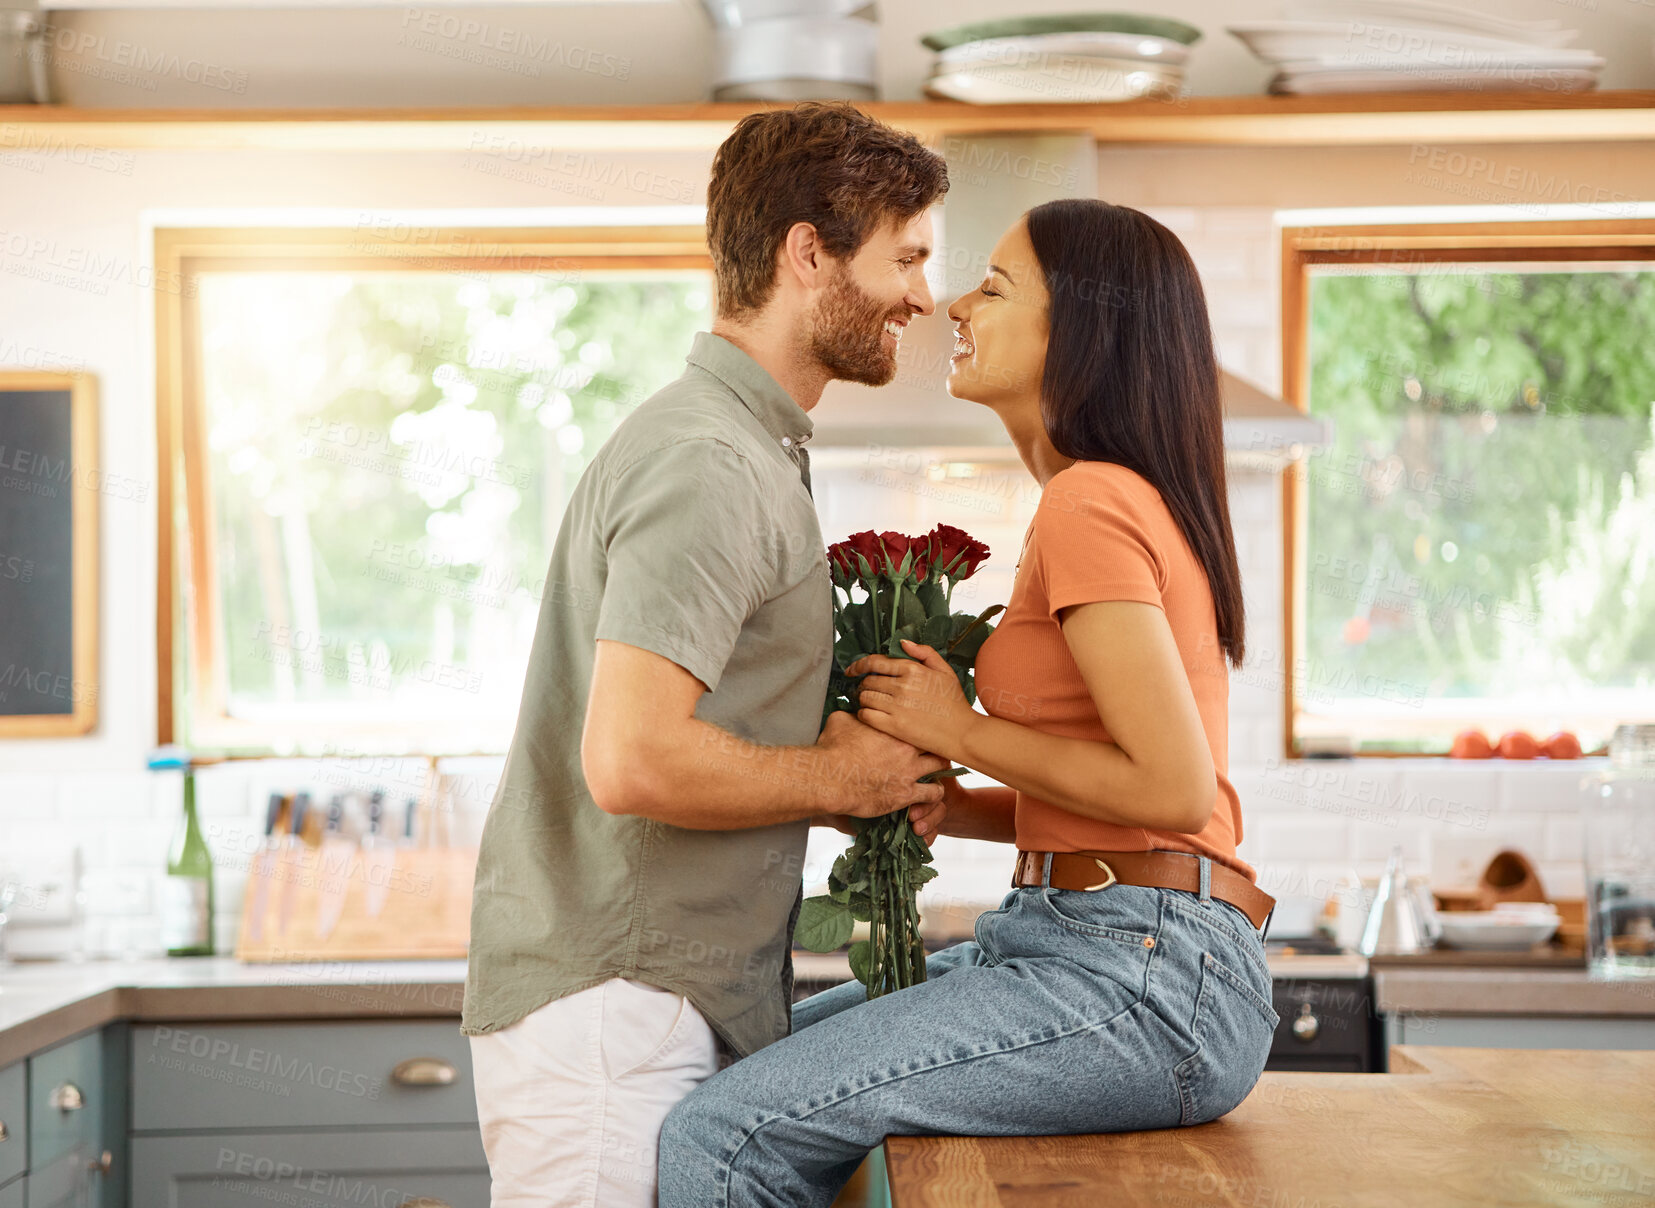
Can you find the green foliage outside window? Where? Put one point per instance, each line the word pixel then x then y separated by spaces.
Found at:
pixel 1483 527
pixel 390 456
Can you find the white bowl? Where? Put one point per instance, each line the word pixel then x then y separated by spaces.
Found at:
pixel 1504 929
pixel 1069 80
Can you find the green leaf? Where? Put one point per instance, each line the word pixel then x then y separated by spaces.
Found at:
pixel 932 596
pixel 861 953
pixel 937 632
pixel 824 925
pixel 909 609
pixel 972 637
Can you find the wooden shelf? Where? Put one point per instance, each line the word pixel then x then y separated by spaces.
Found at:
pixel 1251 121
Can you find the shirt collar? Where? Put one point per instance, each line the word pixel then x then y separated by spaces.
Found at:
pixel 784 419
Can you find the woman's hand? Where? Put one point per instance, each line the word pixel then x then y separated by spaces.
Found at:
pixel 919 701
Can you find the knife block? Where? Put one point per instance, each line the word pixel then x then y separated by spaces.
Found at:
pixel 338 900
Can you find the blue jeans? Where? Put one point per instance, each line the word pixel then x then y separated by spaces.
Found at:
pixel 1074 1011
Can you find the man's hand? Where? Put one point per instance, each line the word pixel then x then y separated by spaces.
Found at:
pixel 879 772
pixel 925 819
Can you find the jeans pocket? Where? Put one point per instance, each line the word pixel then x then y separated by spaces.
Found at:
pixel 1233 1027
pixel 1084 912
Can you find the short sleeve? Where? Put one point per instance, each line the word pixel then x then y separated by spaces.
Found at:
pixel 689 554
pixel 1093 543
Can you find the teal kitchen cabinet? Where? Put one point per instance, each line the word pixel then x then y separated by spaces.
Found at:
pixel 13 1194
pixel 77 1122
pixel 318 1113
pixel 344 1168
pixel 14 1124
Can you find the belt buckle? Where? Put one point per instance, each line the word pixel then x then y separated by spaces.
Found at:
pixel 1101 884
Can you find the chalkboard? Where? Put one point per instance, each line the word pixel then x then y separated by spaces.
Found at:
pixel 49 491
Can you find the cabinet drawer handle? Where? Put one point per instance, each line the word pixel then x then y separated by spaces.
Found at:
pixel 67 1098
pixel 424 1201
pixel 4 1135
pixel 102 1163
pixel 1305 1024
pixel 424 1071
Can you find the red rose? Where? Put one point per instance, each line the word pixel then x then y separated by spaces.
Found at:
pixel 842 566
pixel 896 547
pixel 956 553
pixel 864 545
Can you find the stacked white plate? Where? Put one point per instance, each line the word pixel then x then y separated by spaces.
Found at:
pixel 1073 58
pixel 1511 925
pixel 1413 46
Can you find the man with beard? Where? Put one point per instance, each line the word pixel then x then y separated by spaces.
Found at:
pixel 640 870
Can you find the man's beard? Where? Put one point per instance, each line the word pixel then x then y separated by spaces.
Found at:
pixel 847 334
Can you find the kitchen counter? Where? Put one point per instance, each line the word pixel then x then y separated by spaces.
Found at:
pixel 1446 1126
pixel 1451 990
pixel 43 1003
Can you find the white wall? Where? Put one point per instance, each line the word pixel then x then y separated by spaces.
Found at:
pixel 73 234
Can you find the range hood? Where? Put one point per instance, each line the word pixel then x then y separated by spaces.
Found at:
pixel 993 179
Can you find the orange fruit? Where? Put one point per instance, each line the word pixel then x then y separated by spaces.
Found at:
pixel 1471 744
pixel 1562 745
pixel 1518 744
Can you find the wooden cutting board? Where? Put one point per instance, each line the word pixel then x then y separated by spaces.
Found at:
pixel 1447 1126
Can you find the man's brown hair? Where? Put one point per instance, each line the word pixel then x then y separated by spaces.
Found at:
pixel 830 165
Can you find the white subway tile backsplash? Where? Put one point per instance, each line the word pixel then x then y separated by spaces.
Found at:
pixel 1244 222
pixel 90 796
pixel 1240 308
pixel 1301 837
pixel 1564 837
pixel 1451 793
pixel 130 845
pixel 221 792
pixel 1542 784
pixel 1376 838
pixel 1563 878
pixel 1220 259
pixel 28 796
pixel 1182 221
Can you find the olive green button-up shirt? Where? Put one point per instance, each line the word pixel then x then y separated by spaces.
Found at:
pixel 692 534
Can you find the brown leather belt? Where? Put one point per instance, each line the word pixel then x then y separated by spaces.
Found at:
pixel 1155 869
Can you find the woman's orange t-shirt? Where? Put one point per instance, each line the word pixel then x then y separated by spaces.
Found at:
pixel 1102 532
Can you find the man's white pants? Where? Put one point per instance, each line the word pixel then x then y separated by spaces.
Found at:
pixel 571 1097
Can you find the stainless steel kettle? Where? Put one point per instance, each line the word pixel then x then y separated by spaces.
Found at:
pixel 1403 918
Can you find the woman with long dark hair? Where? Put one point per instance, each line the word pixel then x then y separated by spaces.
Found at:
pixel 1122 983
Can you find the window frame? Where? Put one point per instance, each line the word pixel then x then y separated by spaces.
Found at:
pixel 191 673
pixel 1412 245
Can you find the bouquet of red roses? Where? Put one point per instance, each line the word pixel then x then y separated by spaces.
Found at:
pixel 889 587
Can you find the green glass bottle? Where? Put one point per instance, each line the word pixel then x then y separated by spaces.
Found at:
pixel 187 889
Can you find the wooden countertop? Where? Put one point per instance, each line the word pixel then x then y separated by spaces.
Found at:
pixel 1447 1126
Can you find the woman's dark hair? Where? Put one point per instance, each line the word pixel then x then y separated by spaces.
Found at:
pixel 1131 377
pixel 827 164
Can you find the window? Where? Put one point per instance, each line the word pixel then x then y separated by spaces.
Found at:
pixel 371 438
pixel 1477 546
